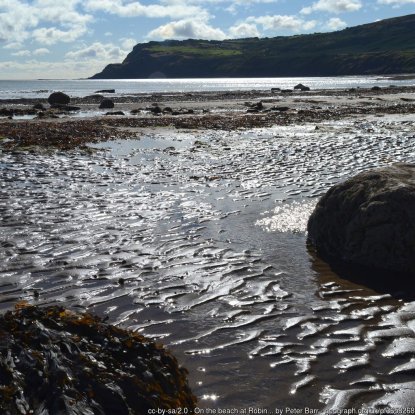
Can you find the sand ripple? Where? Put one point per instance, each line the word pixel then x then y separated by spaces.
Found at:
pixel 199 239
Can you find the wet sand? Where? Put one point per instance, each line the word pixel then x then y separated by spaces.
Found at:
pixel 192 232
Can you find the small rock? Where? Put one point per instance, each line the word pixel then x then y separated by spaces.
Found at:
pixel 106 103
pixel 115 113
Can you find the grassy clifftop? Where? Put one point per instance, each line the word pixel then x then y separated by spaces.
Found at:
pixel 384 47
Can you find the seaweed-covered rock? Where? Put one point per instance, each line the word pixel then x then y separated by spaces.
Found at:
pixel 59 98
pixel 369 220
pixel 53 361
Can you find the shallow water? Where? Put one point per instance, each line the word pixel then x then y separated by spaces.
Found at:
pixel 42 88
pixel 198 239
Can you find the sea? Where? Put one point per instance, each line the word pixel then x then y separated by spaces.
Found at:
pixel 10 89
pixel 206 230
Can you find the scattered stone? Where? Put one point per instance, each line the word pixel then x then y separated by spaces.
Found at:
pixel 369 221
pixel 155 109
pixel 106 104
pixel 57 98
pixel 67 108
pixel 274 90
pixel 105 91
pixel 39 106
pixel 115 113
pixel 256 107
pixel 55 361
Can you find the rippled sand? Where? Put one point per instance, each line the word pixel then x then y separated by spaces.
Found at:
pixel 198 239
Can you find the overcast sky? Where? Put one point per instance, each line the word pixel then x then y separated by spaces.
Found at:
pixel 77 38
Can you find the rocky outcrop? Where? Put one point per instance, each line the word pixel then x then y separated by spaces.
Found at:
pixel 53 361
pixel 369 221
pixel 59 98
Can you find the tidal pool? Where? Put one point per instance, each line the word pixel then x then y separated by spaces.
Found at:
pixel 197 239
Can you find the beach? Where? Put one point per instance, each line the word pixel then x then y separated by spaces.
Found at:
pixel 184 219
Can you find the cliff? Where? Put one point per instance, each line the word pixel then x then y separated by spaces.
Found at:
pixel 384 47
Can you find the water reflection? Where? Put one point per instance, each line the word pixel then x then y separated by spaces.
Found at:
pixel 161 235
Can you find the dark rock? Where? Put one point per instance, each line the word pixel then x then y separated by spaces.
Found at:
pixel 136 111
pixel 167 110
pixel 273 90
pixel 286 91
pixel 58 98
pixel 56 361
pixel 302 87
pixel 93 98
pixel 115 113
pixel 105 91
pixel 6 112
pixel 281 109
pixel 39 106
pixel 376 88
pixel 66 107
pixel 256 107
pixel 106 104
pixel 369 221
pixel 155 109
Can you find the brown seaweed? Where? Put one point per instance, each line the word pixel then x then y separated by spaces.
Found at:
pixel 54 361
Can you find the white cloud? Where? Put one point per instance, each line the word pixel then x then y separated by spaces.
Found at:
pixel 36 52
pixel 127 43
pixel 104 52
pixel 396 2
pixel 52 35
pixel 22 53
pixel 33 69
pixel 244 30
pixel 336 24
pixel 333 6
pixel 186 29
pixel 277 22
pixel 41 51
pixel 14 45
pixel 125 8
pixel 21 19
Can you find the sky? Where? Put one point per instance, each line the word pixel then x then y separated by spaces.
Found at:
pixel 77 38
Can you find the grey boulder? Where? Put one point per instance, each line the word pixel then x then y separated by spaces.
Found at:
pixel 369 220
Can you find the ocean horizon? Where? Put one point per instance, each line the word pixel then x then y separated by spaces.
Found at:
pixel 42 88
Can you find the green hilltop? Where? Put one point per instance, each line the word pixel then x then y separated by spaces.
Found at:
pixel 383 47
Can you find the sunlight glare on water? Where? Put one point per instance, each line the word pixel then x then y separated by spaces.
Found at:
pixel 289 217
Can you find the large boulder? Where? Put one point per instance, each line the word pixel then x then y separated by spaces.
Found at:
pixel 369 221
pixel 58 98
pixel 53 361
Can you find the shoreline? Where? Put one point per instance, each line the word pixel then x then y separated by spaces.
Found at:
pixel 63 129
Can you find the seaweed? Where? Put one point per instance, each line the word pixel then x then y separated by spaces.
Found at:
pixel 54 361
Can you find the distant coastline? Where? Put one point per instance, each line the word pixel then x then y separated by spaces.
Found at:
pixel 386 47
